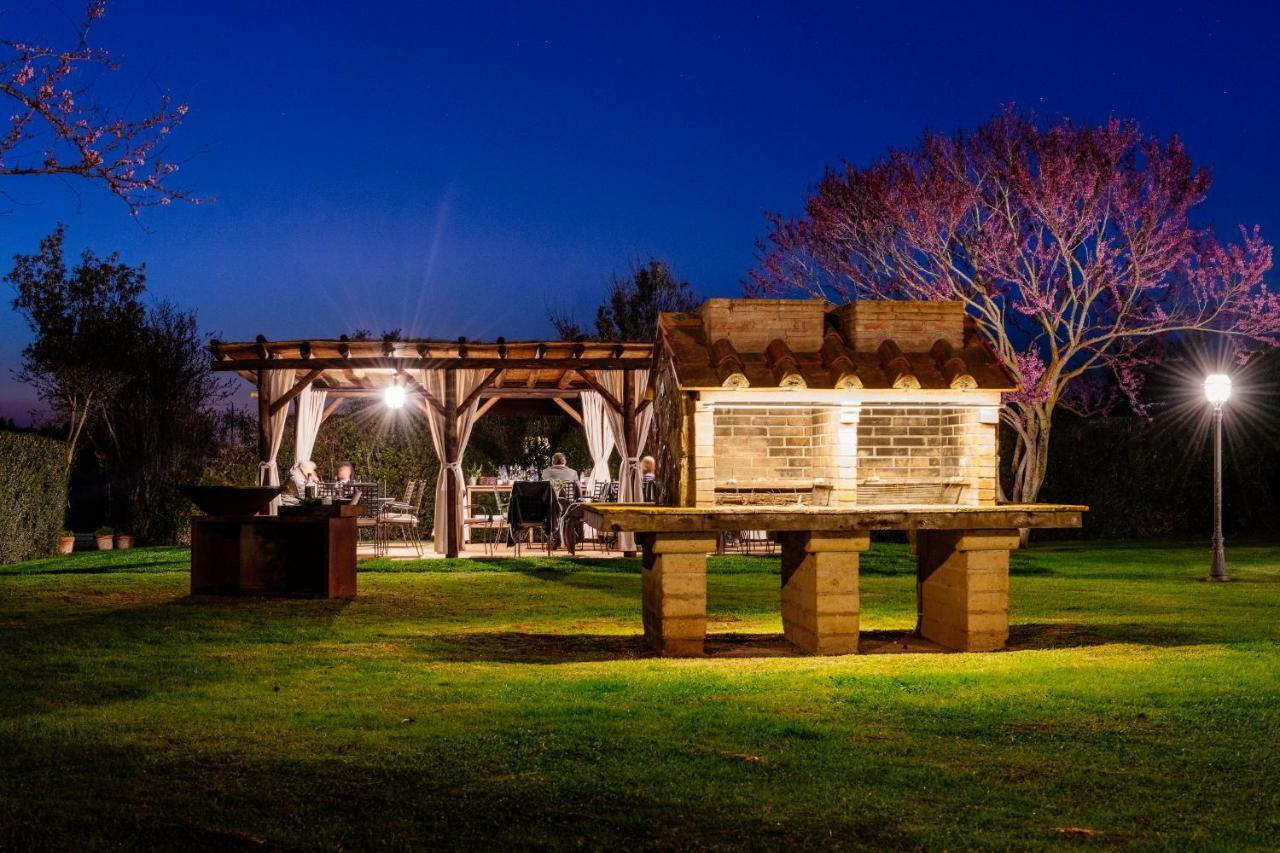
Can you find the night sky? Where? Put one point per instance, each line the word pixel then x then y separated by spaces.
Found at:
pixel 457 168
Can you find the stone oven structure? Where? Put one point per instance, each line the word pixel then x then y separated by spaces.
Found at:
pixel 792 401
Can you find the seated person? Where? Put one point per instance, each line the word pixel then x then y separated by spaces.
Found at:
pixel 648 478
pixel 345 482
pixel 559 470
pixel 303 472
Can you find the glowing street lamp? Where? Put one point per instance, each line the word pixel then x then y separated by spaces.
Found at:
pixel 1217 388
pixel 394 396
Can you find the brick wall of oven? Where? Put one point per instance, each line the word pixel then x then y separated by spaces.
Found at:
pixel 775 446
pixel 866 453
pixel 946 454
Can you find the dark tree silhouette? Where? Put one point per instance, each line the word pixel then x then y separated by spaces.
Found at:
pixel 631 307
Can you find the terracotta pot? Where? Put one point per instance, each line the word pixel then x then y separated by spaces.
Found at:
pixel 123 540
pixel 66 544
pixel 104 542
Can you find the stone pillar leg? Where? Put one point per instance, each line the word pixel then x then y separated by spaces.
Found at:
pixel 675 591
pixel 963 584
pixel 820 590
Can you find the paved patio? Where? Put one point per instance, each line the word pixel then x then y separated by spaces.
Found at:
pixel 406 551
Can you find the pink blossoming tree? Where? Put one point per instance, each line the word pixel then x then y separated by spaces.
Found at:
pixel 1069 246
pixel 55 128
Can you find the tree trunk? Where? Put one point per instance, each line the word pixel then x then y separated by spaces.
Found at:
pixel 1031 456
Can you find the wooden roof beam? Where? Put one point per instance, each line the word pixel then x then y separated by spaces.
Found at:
pixel 568 410
pixel 287 397
pixel 406 363
pixel 332 408
pixel 476 392
pixel 595 385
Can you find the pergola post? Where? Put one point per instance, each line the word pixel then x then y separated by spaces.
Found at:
pixel 451 456
pixel 628 431
pixel 264 427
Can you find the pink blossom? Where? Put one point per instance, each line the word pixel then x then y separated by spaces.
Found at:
pixel 1070 247
pixel 53 133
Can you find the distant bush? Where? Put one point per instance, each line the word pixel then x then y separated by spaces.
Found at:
pixel 33 495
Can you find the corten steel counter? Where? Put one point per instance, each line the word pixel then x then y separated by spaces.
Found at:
pixel 301 552
pixel 962 567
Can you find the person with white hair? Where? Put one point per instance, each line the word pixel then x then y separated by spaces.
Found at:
pixel 648 479
pixel 302 473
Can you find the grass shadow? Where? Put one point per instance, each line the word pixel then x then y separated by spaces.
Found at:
pixel 152 568
pixel 545 648
pixel 527 647
pixel 522 647
pixel 1056 635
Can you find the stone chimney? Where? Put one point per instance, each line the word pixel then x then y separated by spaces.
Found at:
pixel 752 324
pixel 913 326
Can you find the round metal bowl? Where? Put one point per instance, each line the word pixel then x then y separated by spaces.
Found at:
pixel 231 500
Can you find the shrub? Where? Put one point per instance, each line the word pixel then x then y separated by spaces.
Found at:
pixel 33 495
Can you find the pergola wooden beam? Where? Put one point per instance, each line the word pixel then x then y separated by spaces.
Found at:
pixel 569 410
pixel 330 409
pixel 479 389
pixel 405 364
pixel 595 385
pixel 507 392
pixel 412 386
pixel 288 396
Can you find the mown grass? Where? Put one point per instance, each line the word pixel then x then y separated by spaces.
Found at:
pixel 511 704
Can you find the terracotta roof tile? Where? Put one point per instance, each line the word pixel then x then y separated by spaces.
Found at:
pixel 700 363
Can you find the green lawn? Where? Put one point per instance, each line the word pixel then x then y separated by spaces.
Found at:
pixel 510 703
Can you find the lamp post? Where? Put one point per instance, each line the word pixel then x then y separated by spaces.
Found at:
pixel 1217 388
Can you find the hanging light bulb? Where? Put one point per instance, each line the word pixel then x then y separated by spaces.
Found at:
pixel 394 396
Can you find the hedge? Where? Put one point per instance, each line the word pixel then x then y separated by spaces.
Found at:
pixel 1154 478
pixel 33 495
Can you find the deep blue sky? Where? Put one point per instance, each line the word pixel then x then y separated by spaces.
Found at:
pixel 454 168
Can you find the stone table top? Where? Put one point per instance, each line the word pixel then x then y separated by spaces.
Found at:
pixel 647 518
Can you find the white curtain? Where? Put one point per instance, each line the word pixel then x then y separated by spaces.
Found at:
pixel 600 444
pixel 277 383
pixel 310 414
pixel 630 481
pixel 433 381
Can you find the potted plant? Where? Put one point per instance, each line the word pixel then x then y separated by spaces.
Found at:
pixel 105 537
pixel 123 540
pixel 475 475
pixel 66 542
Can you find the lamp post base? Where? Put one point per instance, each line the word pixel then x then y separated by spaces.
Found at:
pixel 1218 569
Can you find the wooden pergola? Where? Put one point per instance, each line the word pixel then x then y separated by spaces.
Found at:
pixel 346 369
